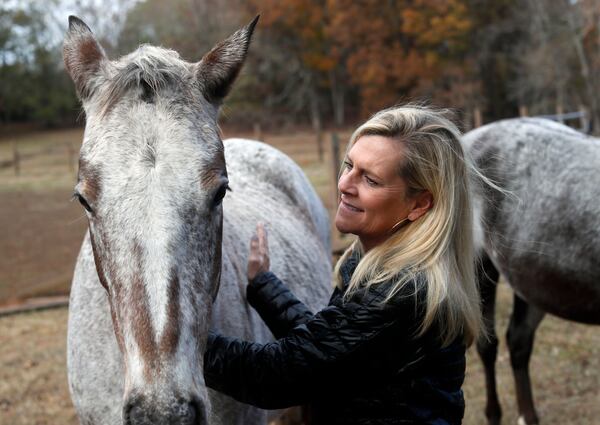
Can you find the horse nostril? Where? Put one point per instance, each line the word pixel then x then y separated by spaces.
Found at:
pixel 127 413
pixel 188 414
pixel 134 414
pixel 198 414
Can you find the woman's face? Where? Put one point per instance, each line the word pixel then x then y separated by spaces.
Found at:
pixel 373 195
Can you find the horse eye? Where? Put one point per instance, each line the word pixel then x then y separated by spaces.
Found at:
pixel 220 195
pixel 83 202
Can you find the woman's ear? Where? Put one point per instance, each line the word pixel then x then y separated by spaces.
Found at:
pixel 423 201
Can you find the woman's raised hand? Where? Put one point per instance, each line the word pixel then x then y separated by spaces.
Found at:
pixel 258 260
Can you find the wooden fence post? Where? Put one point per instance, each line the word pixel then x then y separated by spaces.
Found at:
pixel 319 132
pixel 477 120
pixel 335 164
pixel 16 158
pixel 559 113
pixel 583 119
pixel 257 132
pixel 466 121
pixel 335 168
pixel 523 112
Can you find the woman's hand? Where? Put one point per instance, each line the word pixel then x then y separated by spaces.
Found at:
pixel 258 260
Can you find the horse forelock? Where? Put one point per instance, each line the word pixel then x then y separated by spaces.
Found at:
pixel 152 71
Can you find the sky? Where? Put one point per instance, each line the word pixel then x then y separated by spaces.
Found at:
pixel 105 17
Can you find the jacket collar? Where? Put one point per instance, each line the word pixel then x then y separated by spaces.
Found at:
pixel 347 269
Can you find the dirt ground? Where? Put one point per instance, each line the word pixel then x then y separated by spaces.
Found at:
pixel 33 380
pixel 40 234
pixel 41 229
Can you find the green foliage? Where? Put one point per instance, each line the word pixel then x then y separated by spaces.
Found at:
pixel 34 86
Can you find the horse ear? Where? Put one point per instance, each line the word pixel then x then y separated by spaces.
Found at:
pixel 218 68
pixel 82 55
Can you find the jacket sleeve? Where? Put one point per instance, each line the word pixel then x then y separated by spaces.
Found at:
pixel 327 353
pixel 276 304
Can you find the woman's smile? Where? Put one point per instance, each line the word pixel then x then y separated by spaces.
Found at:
pixel 349 208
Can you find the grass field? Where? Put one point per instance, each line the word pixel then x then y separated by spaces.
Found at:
pixel 40 237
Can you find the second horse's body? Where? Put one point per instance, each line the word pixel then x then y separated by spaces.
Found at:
pixel 542 232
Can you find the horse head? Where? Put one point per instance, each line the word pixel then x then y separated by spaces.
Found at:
pixel 151 178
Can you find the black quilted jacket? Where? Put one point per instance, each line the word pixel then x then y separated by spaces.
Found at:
pixel 354 362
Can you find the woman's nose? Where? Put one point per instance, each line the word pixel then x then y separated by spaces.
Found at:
pixel 346 184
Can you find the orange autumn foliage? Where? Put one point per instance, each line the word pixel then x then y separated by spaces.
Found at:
pixel 385 51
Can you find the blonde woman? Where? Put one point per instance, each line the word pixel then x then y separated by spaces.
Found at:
pixel 390 346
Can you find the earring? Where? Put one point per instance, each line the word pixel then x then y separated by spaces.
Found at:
pixel 397 225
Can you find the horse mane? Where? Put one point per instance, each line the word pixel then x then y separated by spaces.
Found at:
pixel 150 68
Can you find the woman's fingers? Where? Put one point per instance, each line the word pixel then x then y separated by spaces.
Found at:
pixel 254 243
pixel 258 258
pixel 262 247
pixel 263 244
pixel 266 241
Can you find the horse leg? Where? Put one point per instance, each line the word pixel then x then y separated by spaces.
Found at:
pixel 524 320
pixel 487 348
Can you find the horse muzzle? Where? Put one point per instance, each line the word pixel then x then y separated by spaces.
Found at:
pixel 143 411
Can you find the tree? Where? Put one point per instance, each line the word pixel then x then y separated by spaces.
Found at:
pixel 399 48
pixel 554 60
pixel 34 87
pixel 294 40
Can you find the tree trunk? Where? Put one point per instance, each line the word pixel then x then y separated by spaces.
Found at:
pixel 584 69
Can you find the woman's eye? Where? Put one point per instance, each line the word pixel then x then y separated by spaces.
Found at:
pixel 370 181
pixel 347 165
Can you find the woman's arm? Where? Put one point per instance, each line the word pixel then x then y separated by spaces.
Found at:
pixel 335 349
pixel 276 304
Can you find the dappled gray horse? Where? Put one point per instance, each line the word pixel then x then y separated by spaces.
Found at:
pixel 153 175
pixel 542 234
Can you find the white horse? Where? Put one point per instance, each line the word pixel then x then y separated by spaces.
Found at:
pixel 165 257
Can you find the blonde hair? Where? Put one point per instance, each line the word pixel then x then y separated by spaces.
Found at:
pixel 437 247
